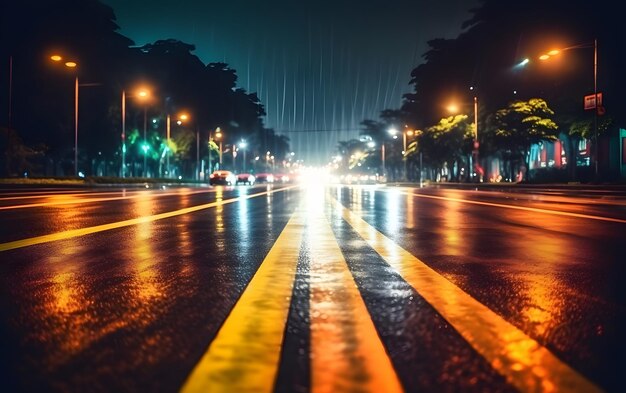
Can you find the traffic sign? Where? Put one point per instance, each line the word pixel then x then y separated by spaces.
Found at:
pixel 590 101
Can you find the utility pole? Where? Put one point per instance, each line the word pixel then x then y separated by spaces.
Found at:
pixel 595 92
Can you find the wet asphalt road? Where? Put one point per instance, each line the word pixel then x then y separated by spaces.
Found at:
pixel 140 290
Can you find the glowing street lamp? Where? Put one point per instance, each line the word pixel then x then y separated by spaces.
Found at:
pixel 407 132
pixel 555 52
pixel 218 136
pixel 142 94
pixel 168 129
pixel 73 65
pixel 242 145
pixel 454 108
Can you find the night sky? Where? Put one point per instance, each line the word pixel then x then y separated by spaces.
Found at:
pixel 320 68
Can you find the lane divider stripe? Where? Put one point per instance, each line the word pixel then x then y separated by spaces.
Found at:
pixel 346 350
pixel 524 363
pixel 245 354
pixel 120 224
pixel 134 195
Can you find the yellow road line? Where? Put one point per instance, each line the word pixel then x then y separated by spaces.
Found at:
pixel 521 360
pixel 119 224
pixel 531 209
pixel 244 356
pixel 62 199
pixel 346 352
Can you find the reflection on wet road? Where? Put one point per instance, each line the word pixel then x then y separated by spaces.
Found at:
pixel 311 289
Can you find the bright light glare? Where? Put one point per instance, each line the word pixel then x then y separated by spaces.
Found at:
pixel 524 62
pixel 70 64
pixel 554 52
pixel 453 108
pixel 393 131
pixel 56 58
pixel 544 57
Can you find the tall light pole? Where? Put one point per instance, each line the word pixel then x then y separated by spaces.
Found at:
pixel 595 93
pixel 394 134
pixel 382 153
pixel 406 132
pixel 475 167
pixel 476 145
pixel 197 153
pixel 242 146
pixel 167 147
pixel 209 143
pixel 73 65
pixel 123 133
pixel 596 107
pixel 168 129
pixel 10 94
pixel 218 136
pixel 142 94
pixel 75 121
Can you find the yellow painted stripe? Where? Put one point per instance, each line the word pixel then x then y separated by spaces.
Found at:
pixel 346 352
pixel 70 199
pixel 524 363
pixel 514 207
pixel 119 224
pixel 244 356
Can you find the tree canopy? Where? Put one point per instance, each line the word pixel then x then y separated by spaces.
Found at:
pixel 85 31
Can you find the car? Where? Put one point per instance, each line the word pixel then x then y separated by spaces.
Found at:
pixel 245 178
pixel 281 178
pixel 361 178
pixel 222 177
pixel 264 178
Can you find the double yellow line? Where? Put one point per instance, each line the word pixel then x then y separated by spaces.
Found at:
pixel 245 354
pixel 347 354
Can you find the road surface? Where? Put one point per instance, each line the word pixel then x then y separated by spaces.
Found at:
pixel 292 288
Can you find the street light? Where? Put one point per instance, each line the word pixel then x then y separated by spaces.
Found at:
pixel 168 128
pixel 476 168
pixel 394 134
pixel 218 136
pixel 73 65
pixel 242 146
pixel 554 52
pixel 142 94
pixel 406 132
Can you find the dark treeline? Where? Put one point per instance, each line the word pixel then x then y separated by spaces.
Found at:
pixel 38 94
pixel 518 106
